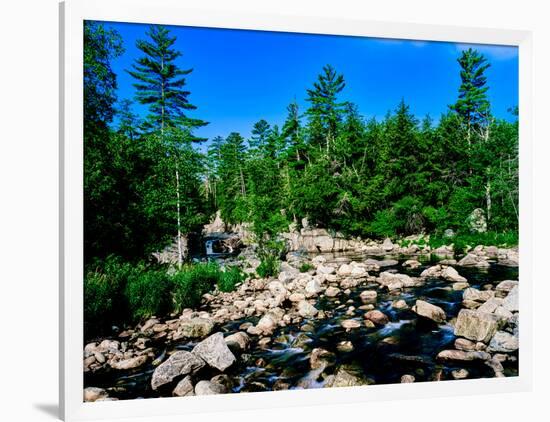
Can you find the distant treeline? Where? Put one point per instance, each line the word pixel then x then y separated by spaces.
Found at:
pixel 146 180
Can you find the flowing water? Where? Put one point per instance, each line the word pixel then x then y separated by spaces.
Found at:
pixel 406 345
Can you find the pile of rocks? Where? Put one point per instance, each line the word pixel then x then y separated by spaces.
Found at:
pixel 487 328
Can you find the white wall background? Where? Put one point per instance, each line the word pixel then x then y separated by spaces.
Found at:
pixel 29 212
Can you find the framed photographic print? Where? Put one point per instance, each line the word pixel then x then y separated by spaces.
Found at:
pixel 260 210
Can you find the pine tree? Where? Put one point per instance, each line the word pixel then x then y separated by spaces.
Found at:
pixel 260 134
pixel 128 121
pixel 325 112
pixel 161 84
pixel 473 105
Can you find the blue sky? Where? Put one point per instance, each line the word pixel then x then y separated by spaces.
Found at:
pixel 243 76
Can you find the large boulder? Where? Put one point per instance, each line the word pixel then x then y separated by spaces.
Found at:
pixel 427 310
pixel 313 288
pixel 238 341
pixel 387 245
pixel 205 388
pixel 475 325
pixel 180 363
pixel 214 351
pixel 450 274
pixel 510 258
pixel 184 388
pixel 378 317
pixel 503 342
pixel 473 260
pixel 511 302
pixel 395 281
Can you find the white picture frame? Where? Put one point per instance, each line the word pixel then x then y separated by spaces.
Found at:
pixel 173 12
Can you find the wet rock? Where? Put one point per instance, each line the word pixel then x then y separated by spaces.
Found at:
pixel 347 376
pixel 99 357
pixel 369 324
pixel 109 346
pixel 395 281
pixel 215 352
pixel 204 388
pixel 306 309
pixel 460 374
pixel 92 394
pixel 460 286
pixel 237 342
pixel 399 304
pixel 332 291
pixel 350 324
pixel 194 328
pixel 427 310
pixel 345 346
pixel 184 388
pixel 450 274
pixel 407 378
pixel 474 325
pixel 180 363
pixel 129 363
pixel 368 296
pixel 320 358
pixel 277 288
pixel 503 342
pixel 377 317
pixel 461 355
pixel 148 325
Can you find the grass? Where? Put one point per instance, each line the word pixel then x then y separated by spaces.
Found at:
pixel 120 293
pixel 462 241
pixel 305 267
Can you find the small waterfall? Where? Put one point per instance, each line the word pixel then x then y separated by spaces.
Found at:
pixel 209 247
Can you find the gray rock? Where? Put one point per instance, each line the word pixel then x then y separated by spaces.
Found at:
pixel 407 378
pixel 180 363
pixel 427 310
pixel 205 388
pixel 306 309
pixel 461 355
pixel 511 302
pixel 503 342
pixel 215 352
pixel 332 291
pixel 129 363
pixel 347 376
pixel 195 328
pixel 238 341
pixel 270 321
pixel 184 388
pixel 450 274
pixel 473 260
pixel 475 325
pixel 92 394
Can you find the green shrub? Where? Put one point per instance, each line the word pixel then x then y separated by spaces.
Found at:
pixel 269 267
pixel 269 252
pixel 383 224
pixel 192 282
pixel 228 279
pixel 462 241
pixel 305 267
pixel 149 292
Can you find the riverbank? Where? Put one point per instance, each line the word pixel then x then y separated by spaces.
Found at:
pixel 350 319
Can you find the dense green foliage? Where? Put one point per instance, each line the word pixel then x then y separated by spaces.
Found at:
pixel 118 292
pixel 146 183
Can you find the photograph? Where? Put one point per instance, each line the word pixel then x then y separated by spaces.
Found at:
pixel 268 211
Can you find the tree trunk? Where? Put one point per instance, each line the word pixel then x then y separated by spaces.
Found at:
pixel 178 204
pixel 488 199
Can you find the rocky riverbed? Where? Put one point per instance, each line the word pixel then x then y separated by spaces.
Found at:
pixel 352 319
